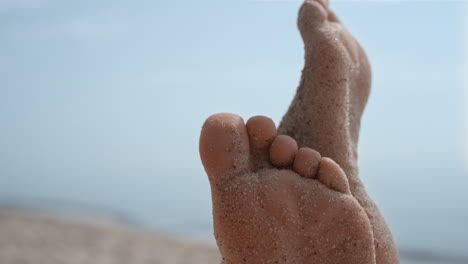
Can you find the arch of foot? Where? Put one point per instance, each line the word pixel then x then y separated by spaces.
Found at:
pixel 308 163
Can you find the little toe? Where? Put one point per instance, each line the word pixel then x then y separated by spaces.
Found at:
pixel 332 175
pixel 224 147
pixel 307 162
pixel 262 132
pixel 282 151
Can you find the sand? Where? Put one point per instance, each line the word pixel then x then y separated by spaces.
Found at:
pixel 27 237
pixel 31 237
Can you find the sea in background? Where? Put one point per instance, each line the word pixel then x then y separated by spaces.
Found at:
pixel 101 105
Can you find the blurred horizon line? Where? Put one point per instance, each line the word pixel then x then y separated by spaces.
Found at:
pixel 373 1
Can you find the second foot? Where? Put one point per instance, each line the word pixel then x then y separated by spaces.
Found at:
pixel 275 203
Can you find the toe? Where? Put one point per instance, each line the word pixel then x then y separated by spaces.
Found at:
pixel 332 17
pixel 282 151
pixel 224 147
pixel 331 175
pixel 324 3
pixel 312 15
pixel 262 132
pixel 306 162
pixel 315 18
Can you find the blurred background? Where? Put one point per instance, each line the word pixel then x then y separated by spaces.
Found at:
pixel 102 102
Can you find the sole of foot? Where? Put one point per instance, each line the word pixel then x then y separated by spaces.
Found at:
pixel 275 203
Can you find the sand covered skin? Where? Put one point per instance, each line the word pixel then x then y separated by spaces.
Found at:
pixel 258 199
pixel 269 212
pixel 326 112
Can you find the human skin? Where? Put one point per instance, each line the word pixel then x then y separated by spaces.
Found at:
pixel 326 111
pixel 275 203
pixel 324 118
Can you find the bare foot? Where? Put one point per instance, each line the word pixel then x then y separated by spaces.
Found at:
pixel 326 111
pixel 273 203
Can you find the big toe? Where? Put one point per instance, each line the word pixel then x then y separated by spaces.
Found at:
pixel 262 132
pixel 312 14
pixel 224 147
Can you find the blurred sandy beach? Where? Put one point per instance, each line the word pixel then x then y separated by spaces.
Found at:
pixel 31 237
pixel 34 238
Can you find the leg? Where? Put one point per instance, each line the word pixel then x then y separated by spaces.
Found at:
pixel 326 112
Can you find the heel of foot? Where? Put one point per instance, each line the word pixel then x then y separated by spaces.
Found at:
pixel 331 175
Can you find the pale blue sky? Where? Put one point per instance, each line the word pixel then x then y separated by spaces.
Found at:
pixel 102 101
